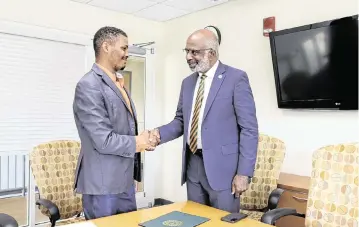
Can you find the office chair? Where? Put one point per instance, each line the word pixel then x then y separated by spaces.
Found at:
pixel 7 221
pixel 263 194
pixel 333 191
pixel 53 165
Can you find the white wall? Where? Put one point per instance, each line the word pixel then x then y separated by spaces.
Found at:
pixel 79 18
pixel 243 46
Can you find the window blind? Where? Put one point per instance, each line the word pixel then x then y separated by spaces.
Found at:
pixel 37 82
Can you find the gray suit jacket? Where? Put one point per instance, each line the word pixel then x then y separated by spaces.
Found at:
pixel 108 162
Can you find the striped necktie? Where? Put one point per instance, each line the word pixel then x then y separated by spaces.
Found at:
pixel 195 118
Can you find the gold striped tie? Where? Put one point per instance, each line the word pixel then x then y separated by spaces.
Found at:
pixel 195 118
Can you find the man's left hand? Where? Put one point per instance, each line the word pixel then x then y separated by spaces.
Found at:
pixel 239 185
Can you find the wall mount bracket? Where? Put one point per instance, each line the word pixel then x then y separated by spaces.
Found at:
pixel 143 45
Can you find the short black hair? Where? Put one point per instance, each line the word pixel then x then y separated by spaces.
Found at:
pixel 105 34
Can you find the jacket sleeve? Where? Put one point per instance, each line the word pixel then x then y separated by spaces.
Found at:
pixel 91 112
pixel 246 118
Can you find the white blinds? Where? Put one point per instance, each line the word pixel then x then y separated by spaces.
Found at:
pixel 37 81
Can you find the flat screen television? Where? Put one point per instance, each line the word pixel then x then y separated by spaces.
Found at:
pixel 316 65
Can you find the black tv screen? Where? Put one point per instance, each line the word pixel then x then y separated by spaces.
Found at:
pixel 316 66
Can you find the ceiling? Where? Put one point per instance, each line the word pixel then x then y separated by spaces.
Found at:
pixel 158 10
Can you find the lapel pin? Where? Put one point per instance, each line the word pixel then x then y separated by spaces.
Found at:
pixel 220 76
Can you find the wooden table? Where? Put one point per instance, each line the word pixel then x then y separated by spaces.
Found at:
pixel 132 219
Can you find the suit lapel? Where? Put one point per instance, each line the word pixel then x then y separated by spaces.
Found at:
pixel 216 84
pixel 110 83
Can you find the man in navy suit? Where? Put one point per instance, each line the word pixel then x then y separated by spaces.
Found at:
pixel 216 115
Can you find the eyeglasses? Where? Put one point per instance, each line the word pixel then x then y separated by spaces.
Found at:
pixel 195 52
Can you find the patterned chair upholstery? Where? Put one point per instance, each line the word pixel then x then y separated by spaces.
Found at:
pixel 263 193
pixel 333 192
pixel 53 165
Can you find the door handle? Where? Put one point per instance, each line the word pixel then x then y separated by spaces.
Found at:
pixel 300 199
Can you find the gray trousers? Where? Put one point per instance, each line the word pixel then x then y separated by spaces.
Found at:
pixel 199 190
pixel 98 206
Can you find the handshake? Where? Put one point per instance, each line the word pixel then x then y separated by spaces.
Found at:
pixel 147 140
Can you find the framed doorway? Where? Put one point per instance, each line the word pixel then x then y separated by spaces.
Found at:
pixel 139 81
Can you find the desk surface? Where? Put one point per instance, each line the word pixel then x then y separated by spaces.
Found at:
pixel 132 219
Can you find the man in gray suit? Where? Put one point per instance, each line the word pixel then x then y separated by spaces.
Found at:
pixel 217 117
pixel 105 117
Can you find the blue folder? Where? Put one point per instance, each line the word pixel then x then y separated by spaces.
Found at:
pixel 175 219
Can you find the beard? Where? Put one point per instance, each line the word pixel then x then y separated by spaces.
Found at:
pixel 118 61
pixel 120 67
pixel 200 66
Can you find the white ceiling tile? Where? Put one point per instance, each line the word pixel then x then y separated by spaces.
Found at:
pixel 193 5
pixel 123 6
pixel 81 1
pixel 160 12
pixel 159 1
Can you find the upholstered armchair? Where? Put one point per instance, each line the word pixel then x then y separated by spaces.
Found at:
pixel 333 191
pixel 263 194
pixel 7 221
pixel 53 165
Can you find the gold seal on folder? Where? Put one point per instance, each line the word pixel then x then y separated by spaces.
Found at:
pixel 172 223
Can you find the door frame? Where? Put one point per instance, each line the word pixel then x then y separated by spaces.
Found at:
pixel 146 198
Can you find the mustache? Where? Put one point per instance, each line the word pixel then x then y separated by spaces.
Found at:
pixel 192 62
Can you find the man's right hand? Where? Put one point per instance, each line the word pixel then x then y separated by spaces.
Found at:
pixel 143 142
pixel 155 137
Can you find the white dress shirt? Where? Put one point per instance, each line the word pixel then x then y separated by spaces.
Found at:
pixel 207 86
